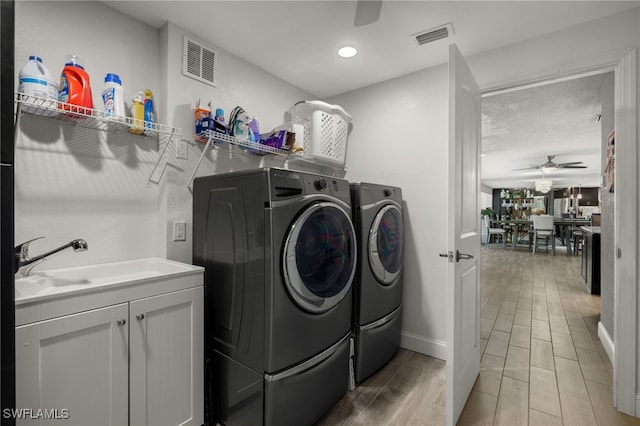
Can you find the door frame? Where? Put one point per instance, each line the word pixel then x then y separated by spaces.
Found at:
pixel 627 222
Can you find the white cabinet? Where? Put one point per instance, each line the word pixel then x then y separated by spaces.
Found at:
pixel 138 363
pixel 166 359
pixel 78 363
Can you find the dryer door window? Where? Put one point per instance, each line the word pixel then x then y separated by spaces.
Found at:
pixel 385 244
pixel 319 258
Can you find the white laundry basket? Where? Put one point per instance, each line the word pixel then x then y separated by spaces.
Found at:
pixel 326 130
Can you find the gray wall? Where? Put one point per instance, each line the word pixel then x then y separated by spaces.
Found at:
pixel 607 250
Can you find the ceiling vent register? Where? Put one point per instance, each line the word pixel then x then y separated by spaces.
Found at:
pixel 434 34
pixel 199 62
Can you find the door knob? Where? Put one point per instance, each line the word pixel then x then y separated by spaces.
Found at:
pixel 463 256
pixel 456 258
pixel 140 317
pixel 448 255
pixel 121 322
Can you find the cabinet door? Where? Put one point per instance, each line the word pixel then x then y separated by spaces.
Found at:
pixel 75 366
pixel 167 352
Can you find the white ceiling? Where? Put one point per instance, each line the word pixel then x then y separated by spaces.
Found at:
pixel 297 42
pixel 523 127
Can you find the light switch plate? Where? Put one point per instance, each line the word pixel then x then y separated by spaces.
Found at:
pixel 179 230
pixel 181 149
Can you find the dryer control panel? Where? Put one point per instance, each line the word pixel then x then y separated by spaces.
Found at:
pixel 335 187
pixel 289 183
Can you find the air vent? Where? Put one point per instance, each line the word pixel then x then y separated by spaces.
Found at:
pixel 199 62
pixel 433 34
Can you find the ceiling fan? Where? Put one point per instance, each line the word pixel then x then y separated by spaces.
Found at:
pixel 550 165
pixel 367 12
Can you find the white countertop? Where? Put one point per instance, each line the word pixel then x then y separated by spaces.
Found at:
pixel 54 293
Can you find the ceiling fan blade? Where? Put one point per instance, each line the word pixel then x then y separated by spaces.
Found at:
pixel 532 167
pixel 571 163
pixel 560 166
pixel 367 12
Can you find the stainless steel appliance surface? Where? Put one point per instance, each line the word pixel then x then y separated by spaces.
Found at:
pixel 378 217
pixel 279 252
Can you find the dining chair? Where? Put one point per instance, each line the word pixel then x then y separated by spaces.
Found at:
pixel 543 229
pixel 494 231
pixel 578 239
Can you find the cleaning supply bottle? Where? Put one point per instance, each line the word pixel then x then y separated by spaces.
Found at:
pixel 74 92
pixel 35 81
pixel 113 97
pixel 149 114
pixel 218 122
pixel 137 113
pixel 219 115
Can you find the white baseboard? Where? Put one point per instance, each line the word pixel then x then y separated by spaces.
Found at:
pixel 424 345
pixel 607 343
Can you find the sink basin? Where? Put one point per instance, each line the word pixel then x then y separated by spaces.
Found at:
pixel 58 282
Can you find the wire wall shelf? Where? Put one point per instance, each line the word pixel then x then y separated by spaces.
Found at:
pixel 89 118
pixel 220 139
pixel 216 140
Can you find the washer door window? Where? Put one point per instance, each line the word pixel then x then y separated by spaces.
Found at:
pixel 386 245
pixel 320 257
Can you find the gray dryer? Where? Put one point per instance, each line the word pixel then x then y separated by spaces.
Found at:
pixel 378 217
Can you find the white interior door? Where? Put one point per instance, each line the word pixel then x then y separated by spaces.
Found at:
pixel 463 292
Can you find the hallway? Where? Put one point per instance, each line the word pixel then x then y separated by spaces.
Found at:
pixel 542 361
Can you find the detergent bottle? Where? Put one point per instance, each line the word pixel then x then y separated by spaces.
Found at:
pixel 113 98
pixel 149 114
pixel 74 93
pixel 137 113
pixel 35 82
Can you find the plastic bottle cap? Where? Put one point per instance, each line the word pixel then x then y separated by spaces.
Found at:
pixel 74 64
pixel 74 61
pixel 113 78
pixel 35 58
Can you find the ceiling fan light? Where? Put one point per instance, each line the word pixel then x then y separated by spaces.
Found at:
pixel 347 52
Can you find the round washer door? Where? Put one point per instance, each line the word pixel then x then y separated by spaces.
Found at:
pixel 319 257
pixel 386 248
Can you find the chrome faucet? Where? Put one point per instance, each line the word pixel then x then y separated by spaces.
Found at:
pixel 24 264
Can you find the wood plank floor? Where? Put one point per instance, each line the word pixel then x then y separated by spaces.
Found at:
pixel 542 362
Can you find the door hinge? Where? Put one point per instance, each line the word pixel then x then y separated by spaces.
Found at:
pixel 619 253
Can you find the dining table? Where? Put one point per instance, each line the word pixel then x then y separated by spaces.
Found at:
pixel 565 226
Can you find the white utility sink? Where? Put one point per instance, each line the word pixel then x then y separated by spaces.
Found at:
pixel 62 282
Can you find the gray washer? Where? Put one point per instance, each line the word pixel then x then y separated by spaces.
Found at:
pixel 279 252
pixel 378 217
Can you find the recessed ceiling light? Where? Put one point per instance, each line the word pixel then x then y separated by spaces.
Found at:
pixel 347 51
pixel 483 155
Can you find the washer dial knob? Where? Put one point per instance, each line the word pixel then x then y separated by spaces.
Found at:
pixel 320 184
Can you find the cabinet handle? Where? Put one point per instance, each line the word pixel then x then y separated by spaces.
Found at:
pixel 140 317
pixel 121 322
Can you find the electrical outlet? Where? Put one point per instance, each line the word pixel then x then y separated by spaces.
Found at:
pixel 181 149
pixel 179 230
